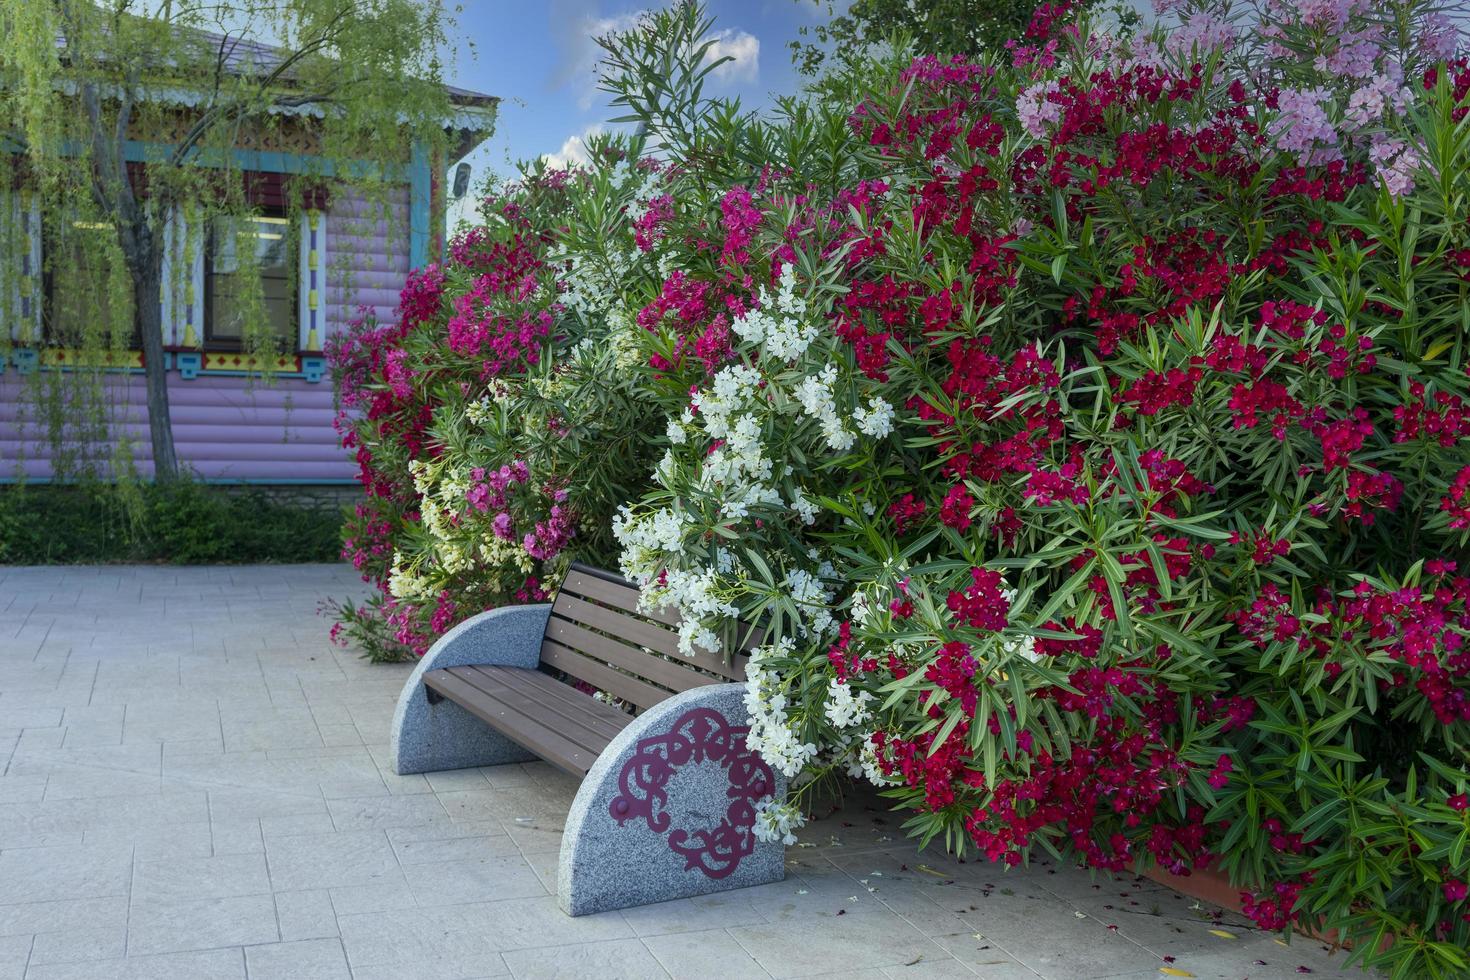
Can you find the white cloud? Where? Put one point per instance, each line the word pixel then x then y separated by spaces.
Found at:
pixel 575 27
pixel 744 50
pixel 573 149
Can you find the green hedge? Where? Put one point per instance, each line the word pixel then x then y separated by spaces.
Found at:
pixel 184 523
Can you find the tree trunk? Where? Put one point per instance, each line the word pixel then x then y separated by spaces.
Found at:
pixel 146 266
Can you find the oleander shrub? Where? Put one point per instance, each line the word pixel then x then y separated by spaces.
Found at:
pixel 493 429
pixel 1086 427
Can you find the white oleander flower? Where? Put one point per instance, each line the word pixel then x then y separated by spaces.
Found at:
pixel 868 763
pixel 477 413
pixel 846 708
pixel 786 299
pixel 788 339
pixel 876 420
pixel 751 325
pixel 815 395
pixel 695 637
pixel 813 599
pixel 1021 646
pixel 770 732
pixel 775 821
pixel 405 583
pixel 815 392
pixel 803 507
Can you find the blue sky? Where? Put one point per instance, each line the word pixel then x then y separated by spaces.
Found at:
pixel 539 58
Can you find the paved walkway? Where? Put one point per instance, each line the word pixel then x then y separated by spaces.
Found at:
pixel 193 785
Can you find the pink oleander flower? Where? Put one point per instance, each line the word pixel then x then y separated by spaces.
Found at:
pixel 1440 38
pixel 1396 163
pixel 419 299
pixel 1330 15
pixel 648 227
pixel 1035 111
pixel 1456 501
pixel 1301 126
pixel 550 535
pixel 1383 93
pixel 1201 32
pixel 1219 777
pixel 740 218
pixel 397 373
pixel 1356 56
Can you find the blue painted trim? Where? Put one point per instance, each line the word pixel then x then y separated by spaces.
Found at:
pixel 420 192
pixel 25 359
pixel 189 364
pixel 137 151
pixel 258 375
pixel 313 369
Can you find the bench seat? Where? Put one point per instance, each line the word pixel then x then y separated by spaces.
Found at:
pixel 556 721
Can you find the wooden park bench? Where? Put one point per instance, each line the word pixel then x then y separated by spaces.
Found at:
pixel 668 796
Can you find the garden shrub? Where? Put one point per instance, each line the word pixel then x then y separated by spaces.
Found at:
pixel 1087 427
pixel 184 523
pixel 487 463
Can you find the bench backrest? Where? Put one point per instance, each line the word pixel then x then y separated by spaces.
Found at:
pixel 598 634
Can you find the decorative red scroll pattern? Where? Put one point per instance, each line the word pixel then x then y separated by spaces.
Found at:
pixel 700 735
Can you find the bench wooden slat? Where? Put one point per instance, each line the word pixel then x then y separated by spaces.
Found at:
pixel 601 676
pixel 528 730
pixel 715 664
pixel 667 673
pixel 583 581
pixel 624 596
pixel 620 625
pixel 585 723
pixel 530 692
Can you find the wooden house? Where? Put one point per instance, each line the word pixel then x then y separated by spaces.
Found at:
pixel 235 419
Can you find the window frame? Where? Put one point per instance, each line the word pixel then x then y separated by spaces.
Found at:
pixel 230 345
pixel 48 284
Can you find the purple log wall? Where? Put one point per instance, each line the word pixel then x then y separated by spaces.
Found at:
pixel 225 429
pixel 377 249
pixel 230 429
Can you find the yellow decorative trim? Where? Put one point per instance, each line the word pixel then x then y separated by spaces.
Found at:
pixel 311 262
pixel 230 361
pixel 311 302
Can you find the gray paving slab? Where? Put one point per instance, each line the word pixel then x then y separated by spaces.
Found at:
pixel 195 784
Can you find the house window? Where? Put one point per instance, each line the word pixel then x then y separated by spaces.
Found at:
pixel 228 295
pixel 76 282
